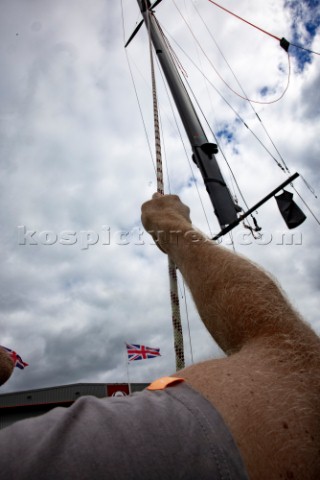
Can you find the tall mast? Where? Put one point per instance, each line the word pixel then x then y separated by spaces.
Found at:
pixel 203 150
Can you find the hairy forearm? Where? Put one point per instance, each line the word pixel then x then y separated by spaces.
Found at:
pixel 237 301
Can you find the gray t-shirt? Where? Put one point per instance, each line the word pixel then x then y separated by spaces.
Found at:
pixel 169 434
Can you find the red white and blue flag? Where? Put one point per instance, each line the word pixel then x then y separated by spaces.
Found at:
pixel 18 362
pixel 141 352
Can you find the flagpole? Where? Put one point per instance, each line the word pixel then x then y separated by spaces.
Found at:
pixel 128 377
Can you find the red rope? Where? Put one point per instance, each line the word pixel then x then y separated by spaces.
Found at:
pixel 246 21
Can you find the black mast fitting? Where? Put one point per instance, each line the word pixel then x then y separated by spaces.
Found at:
pixel 284 44
pixel 291 213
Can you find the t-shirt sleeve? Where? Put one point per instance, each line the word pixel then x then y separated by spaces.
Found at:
pixel 170 434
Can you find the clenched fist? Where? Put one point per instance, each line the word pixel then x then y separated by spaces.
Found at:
pixel 164 217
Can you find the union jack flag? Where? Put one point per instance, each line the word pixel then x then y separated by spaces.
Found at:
pixel 141 352
pixel 18 362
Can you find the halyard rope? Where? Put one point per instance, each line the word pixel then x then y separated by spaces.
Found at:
pixel 175 306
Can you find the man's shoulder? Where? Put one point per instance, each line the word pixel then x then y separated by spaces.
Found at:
pixel 171 433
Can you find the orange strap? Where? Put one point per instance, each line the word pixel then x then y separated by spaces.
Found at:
pixel 164 382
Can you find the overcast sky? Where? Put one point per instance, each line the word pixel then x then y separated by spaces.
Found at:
pixel 75 169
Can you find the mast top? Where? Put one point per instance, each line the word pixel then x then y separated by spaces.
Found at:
pixel 144 5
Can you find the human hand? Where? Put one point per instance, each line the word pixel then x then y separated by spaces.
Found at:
pixel 163 216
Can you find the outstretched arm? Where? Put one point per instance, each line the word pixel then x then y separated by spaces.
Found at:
pixel 268 388
pixel 237 301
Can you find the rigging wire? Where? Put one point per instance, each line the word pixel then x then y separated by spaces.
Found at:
pixel 304 48
pixel 234 183
pixel 260 102
pixel 242 89
pixel 218 143
pixel 161 123
pixel 309 186
pixel 236 113
pixel 202 112
pixel 227 103
pixel 262 30
pixel 232 177
pixel 246 21
pixel 188 322
pixel 136 93
pixel 258 117
pixel 305 203
pixel 256 227
pixel 232 241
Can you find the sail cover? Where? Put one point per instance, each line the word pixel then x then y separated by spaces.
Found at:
pixel 291 213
